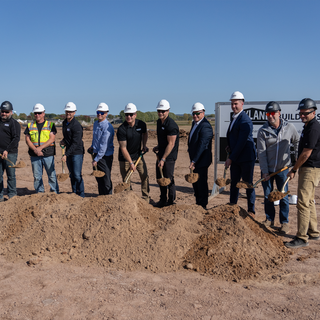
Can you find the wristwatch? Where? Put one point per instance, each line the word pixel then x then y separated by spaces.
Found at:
pixel 294 171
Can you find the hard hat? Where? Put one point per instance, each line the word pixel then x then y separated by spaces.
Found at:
pixel 38 108
pixel 130 108
pixel 307 103
pixel 70 106
pixel 197 107
pixel 237 95
pixel 273 106
pixel 103 107
pixel 163 105
pixel 6 106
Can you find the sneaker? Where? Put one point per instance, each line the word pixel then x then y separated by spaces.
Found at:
pixel 160 204
pixel 296 243
pixel 314 238
pixel 268 223
pixel 284 228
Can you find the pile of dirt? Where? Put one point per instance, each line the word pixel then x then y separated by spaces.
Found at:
pixel 183 134
pixel 234 246
pixel 122 232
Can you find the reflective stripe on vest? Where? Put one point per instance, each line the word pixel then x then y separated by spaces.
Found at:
pixel 44 134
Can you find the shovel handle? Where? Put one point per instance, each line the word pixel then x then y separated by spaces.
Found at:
pixel 271 175
pixel 135 165
pixel 63 154
pixel 7 159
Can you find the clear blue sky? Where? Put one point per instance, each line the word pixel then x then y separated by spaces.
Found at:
pixel 143 51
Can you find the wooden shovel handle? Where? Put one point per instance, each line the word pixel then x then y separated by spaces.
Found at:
pixel 7 159
pixel 274 173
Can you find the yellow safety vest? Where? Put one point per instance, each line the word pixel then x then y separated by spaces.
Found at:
pixel 44 134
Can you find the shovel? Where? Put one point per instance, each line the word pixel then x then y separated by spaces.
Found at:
pixel 62 176
pixel 247 185
pixel 192 177
pixel 96 173
pixel 19 164
pixel 125 185
pixel 221 182
pixel 162 182
pixel 278 195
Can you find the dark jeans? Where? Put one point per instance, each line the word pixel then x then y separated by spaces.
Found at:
pixel 105 183
pixel 242 170
pixel 74 164
pixel 168 171
pixel 11 175
pixel 200 188
pixel 269 209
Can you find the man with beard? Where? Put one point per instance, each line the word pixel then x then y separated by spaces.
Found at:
pixel 9 141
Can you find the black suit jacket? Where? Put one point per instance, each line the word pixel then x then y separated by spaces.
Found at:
pixel 200 145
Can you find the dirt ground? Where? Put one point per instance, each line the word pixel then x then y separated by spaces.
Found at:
pixel 117 257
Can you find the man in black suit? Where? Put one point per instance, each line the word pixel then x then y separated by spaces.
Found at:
pixel 200 152
pixel 242 151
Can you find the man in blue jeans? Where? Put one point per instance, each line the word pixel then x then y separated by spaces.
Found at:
pixel 72 140
pixel 273 144
pixel 9 141
pixel 40 138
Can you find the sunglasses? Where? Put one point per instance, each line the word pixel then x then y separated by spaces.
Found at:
pixel 5 111
pixel 101 113
pixel 196 113
pixel 305 113
pixel 162 111
pixel 271 113
pixel 129 114
pixel 37 113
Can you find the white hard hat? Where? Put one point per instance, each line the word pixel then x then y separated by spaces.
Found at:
pixel 38 108
pixel 130 108
pixel 102 107
pixel 163 105
pixel 70 106
pixel 197 107
pixel 237 95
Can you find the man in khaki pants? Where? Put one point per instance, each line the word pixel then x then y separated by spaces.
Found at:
pixel 308 164
pixel 132 136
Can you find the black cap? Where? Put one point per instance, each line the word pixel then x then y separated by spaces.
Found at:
pixel 6 106
pixel 307 103
pixel 273 106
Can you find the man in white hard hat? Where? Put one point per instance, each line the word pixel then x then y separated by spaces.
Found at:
pixel 102 148
pixel 133 136
pixel 242 151
pixel 273 144
pixel 167 152
pixel 40 138
pixel 72 141
pixel 200 152
pixel 9 141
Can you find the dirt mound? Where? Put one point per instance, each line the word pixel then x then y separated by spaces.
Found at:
pixel 123 232
pixel 234 246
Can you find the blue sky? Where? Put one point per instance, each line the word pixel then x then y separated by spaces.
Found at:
pixel 143 51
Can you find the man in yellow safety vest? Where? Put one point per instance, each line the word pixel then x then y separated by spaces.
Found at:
pixel 40 138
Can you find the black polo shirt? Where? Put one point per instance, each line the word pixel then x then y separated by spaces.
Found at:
pixel 72 136
pixel 9 135
pixel 310 139
pixel 168 128
pixel 133 136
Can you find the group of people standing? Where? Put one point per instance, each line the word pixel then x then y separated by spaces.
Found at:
pixel 273 150
pixel 132 136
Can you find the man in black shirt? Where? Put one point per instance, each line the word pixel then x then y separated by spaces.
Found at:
pixel 308 164
pixel 72 140
pixel 167 152
pixel 40 138
pixel 9 141
pixel 131 134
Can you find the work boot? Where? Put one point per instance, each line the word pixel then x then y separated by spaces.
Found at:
pixel 160 204
pixel 296 243
pixel 284 228
pixel 268 223
pixel 314 238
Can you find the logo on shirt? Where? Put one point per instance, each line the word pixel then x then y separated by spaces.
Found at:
pixel 138 129
pixel 162 128
pixel 6 124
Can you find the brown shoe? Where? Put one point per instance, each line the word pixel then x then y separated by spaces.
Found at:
pixel 268 223
pixel 284 228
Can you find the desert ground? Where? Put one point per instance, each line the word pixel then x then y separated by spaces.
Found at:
pixel 117 257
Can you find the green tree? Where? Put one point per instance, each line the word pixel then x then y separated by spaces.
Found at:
pixel 122 116
pixel 23 116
